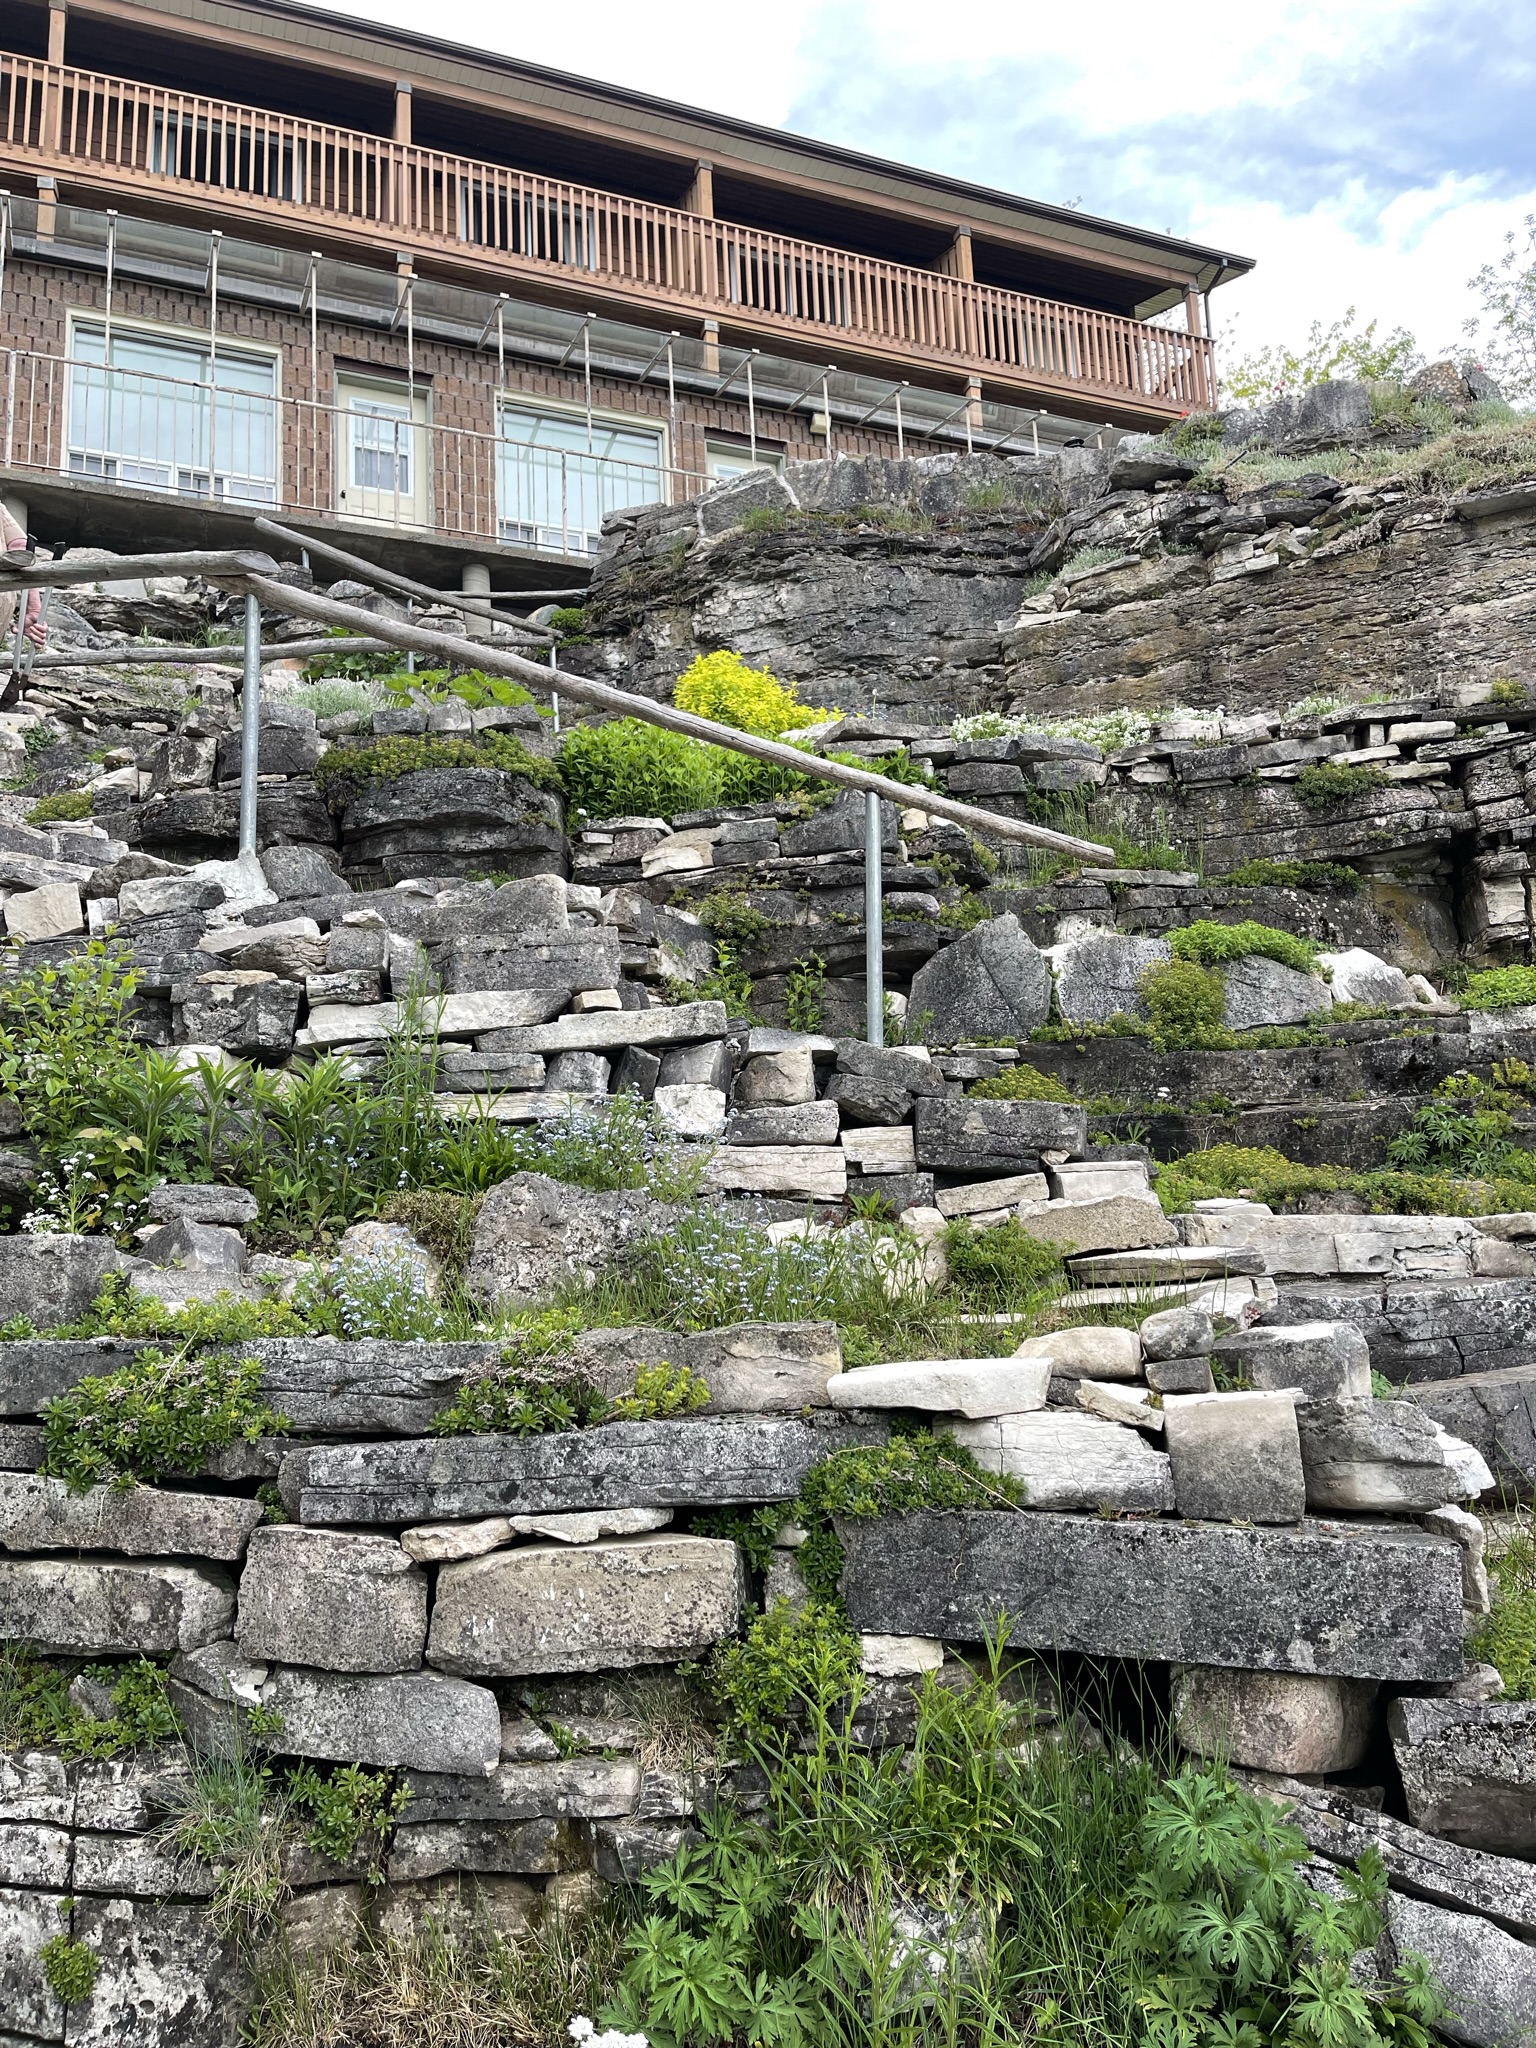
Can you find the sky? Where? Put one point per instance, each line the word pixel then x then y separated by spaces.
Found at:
pixel 1368 153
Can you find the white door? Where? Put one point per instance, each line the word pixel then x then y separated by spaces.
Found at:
pixel 383 471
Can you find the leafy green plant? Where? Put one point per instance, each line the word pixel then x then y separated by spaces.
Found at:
pixel 64 808
pixel 805 992
pixel 722 687
pixel 351 1812
pixel 570 622
pixel 731 916
pixel 1002 1267
pixel 379 1293
pixel 64 1034
pixel 37 1712
pixel 1210 944
pixel 469 686
pixel 1499 988
pixel 754 1531
pixel 1326 783
pixel 1505 690
pixel 626 768
pixel 786 1655
pixel 1021 1083
pixel 347 771
pixel 1294 874
pixel 1262 1174
pixel 71 1968
pixel 1187 1004
pixel 121 1310
pixel 154 1418
pixel 524 1397
pixel 1226 1944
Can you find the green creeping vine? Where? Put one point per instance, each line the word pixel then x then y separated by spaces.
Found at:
pixel 154 1418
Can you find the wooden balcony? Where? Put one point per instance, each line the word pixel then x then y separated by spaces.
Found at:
pixel 576 245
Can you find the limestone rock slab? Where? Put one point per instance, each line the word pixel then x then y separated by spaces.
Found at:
pixel 534 1235
pixel 582 1787
pixel 339 1602
pixel 417 1720
pixel 142 1521
pixel 1358 1600
pixel 1469 1770
pixel 1489 1978
pixel 651 1599
pixel 83 1604
pixel 1236 1457
pixel 703 1462
pixel 54 1277
pixel 374 1387
pixel 946 1386
pixel 1327 1361
pixel 1099 1351
pixel 161 1960
pixel 1373 1457
pixel 972 1135
pixel 812 1173
pixel 1108 1223
pixel 1071 1461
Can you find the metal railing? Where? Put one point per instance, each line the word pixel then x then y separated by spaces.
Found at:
pixel 246 449
pixel 150 136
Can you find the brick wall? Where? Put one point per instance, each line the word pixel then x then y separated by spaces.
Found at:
pixel 34 314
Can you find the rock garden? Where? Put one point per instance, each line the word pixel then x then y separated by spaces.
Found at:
pixel 554 1484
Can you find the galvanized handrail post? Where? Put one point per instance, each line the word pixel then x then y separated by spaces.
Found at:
pixel 250 726
pixel 874 928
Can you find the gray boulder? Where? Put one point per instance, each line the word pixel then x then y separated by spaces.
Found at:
pixel 295 872
pixel 202 1203
pixel 534 1236
pixel 549 1607
pixel 53 1278
pixel 1263 992
pixel 1099 977
pixel 1327 1361
pixel 415 1719
pixel 1469 1770
pixel 163 1976
pixel 992 983
pixel 337 1601
pixel 1489 1978
pixel 1495 1412
pixel 1176 1333
pixel 241 1012
pixel 73 1604
pixel 1070 1461
pixel 749 1368
pixel 974 1136
pixel 1373 1457
pixel 776 1080
pixel 1236 1457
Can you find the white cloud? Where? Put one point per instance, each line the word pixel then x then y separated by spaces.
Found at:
pixel 858 70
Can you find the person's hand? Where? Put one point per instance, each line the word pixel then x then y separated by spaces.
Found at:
pixel 37 632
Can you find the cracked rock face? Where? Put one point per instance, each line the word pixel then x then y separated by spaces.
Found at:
pixel 534 1235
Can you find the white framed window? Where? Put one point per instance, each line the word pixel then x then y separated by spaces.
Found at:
pixel 162 410
pixel 726 459
pixel 556 482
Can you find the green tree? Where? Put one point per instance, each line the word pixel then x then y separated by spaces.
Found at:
pixel 1504 335
pixel 1343 350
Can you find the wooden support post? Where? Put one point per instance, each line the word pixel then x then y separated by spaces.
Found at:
pixel 712 347
pixel 956 260
pixel 700 196
pixel 47 209
pixel 402 110
pixel 1192 315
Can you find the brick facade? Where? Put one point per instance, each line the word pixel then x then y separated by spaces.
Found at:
pixel 461 385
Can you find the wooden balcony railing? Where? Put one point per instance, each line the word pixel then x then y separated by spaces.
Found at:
pixel 134 137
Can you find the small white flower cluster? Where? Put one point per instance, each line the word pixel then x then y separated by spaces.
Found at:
pixel 582 2031
pixel 1107 729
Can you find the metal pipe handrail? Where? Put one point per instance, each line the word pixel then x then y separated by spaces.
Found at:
pixel 288 165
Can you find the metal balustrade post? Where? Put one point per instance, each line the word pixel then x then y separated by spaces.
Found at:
pixel 874 925
pixel 250 726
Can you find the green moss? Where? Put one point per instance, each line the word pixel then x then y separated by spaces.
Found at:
pixel 1499 988
pixel 346 772
pixel 68 806
pixel 1209 944
pixel 1327 782
pixel 1021 1084
pixel 1187 1003
pixel 1264 1174
pixel 71 1968
pixel 1294 874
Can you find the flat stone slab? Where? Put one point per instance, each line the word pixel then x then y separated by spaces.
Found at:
pixel 1495 1412
pixel 1177 1263
pixel 1359 1600
pixel 700 1463
pixel 551 1607
pixel 812 1173
pixel 416 1719
pixel 138 1609
pixel 582 1788
pixel 141 1521
pixel 1502 1888
pixel 946 1386
pixel 972 1135
pixel 336 1601
pixel 34 1370
pixel 1068 1460
pixel 371 1388
pixel 609 1030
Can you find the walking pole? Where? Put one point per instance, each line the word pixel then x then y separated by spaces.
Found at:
pixel 874 934
pixel 250 726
